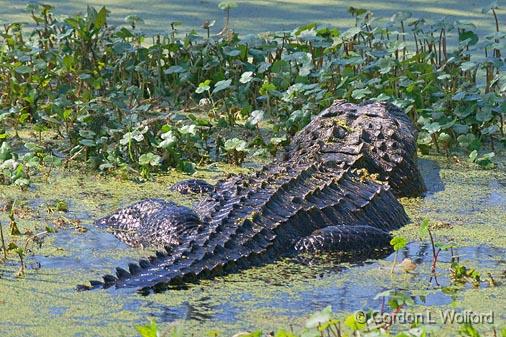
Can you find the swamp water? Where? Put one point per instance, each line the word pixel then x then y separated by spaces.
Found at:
pixel 467 206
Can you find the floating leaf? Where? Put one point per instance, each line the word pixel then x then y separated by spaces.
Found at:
pixel 148 330
pixel 398 242
pixel 319 317
pixel 407 265
pixel 224 5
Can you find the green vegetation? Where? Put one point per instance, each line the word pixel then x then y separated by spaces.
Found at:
pixel 327 323
pixel 118 100
pixel 77 93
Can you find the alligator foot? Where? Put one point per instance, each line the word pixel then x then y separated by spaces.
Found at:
pixel 344 238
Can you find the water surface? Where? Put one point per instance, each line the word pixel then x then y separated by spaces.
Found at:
pixel 467 205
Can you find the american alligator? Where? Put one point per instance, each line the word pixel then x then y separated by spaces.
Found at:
pixel 333 189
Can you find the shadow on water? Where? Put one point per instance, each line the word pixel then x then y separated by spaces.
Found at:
pixel 498 193
pixel 431 176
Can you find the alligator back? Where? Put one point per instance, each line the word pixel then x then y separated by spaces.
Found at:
pixel 343 168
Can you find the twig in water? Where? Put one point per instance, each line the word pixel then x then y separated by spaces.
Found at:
pixel 4 248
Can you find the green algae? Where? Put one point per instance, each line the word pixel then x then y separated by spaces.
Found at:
pixel 469 212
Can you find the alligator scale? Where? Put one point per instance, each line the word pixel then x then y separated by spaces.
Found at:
pixel 333 189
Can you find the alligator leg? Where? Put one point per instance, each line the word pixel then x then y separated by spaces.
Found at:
pixel 344 238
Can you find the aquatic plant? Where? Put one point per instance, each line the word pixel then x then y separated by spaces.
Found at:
pixel 436 247
pixel 4 247
pixel 105 96
pixel 236 150
pixel 20 252
pixel 461 274
pixel 397 243
pixel 327 323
